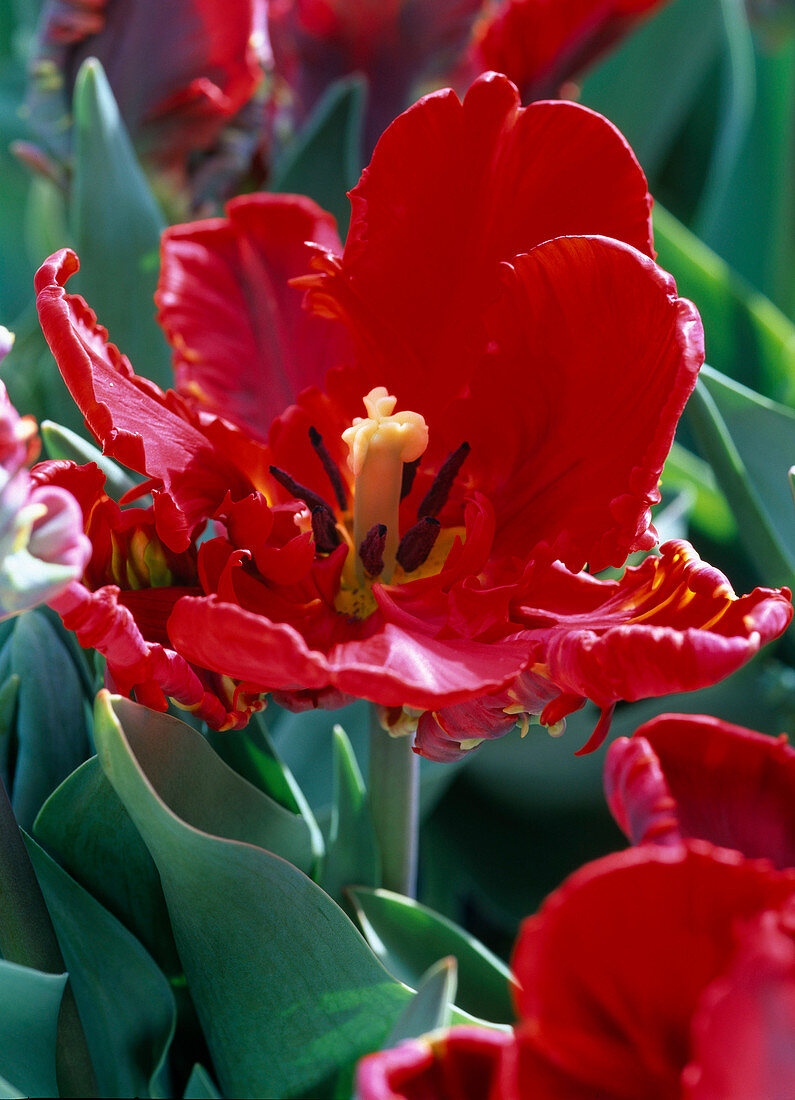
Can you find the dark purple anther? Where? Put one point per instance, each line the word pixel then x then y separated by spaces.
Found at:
pixel 417 543
pixel 330 466
pixel 312 500
pixel 327 537
pixel 436 497
pixel 371 550
pixel 409 473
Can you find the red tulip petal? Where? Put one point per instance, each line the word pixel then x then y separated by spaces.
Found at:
pixel 452 190
pixel 671 624
pixel 388 665
pixel 744 1027
pixel 613 966
pixel 243 345
pixel 637 793
pixel 571 418
pixel 132 419
pixel 459 1064
pixel 732 786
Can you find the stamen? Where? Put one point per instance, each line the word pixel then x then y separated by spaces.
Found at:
pixel 417 543
pixel 312 500
pixel 409 473
pixel 330 466
pixel 436 497
pixel 326 535
pixel 372 549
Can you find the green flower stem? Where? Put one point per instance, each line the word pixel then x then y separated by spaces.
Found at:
pixel 394 805
pixel 28 938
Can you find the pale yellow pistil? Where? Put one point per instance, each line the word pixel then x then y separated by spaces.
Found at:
pixel 379 445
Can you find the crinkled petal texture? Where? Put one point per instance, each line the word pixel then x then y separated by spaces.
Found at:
pixel 671 624
pixel 122 605
pixel 228 310
pixel 540 44
pixel 200 59
pixel 459 1064
pixel 133 420
pixel 723 783
pixel 620 959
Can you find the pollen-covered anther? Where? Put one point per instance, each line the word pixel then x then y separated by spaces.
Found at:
pixel 371 551
pixel 330 466
pixel 324 531
pixel 417 543
pixel 310 498
pixel 379 445
pixel 436 497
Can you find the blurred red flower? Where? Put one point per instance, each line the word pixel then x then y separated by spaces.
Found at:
pixel 664 972
pixel 179 71
pixel 541 44
pixel 539 373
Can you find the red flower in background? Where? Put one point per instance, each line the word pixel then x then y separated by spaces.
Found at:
pixel 540 44
pixel 180 71
pixel 666 972
pixel 396 44
pixel 401 44
pixel 536 373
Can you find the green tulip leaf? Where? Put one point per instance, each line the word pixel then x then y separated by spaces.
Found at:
pixel 125 1003
pixel 86 827
pixel 325 159
pixel 431 1008
pixel 203 791
pixel 62 442
pixel 116 226
pixel 51 726
pixel 287 992
pixel 408 938
pixel 200 1086
pixel 749 441
pixel 663 63
pixel 29 1005
pixel 352 853
pixel 748 338
pixel 251 753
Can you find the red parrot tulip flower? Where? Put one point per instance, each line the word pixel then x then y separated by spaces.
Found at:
pixel 664 972
pixel 387 465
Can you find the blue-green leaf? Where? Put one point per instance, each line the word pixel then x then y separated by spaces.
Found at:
pixel 51 728
pixel 85 826
pixel 352 853
pixel 299 996
pixel 62 442
pixel 116 226
pixel 29 1005
pixel 325 159
pixel 408 938
pixel 431 1008
pixel 749 442
pixel 125 1003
